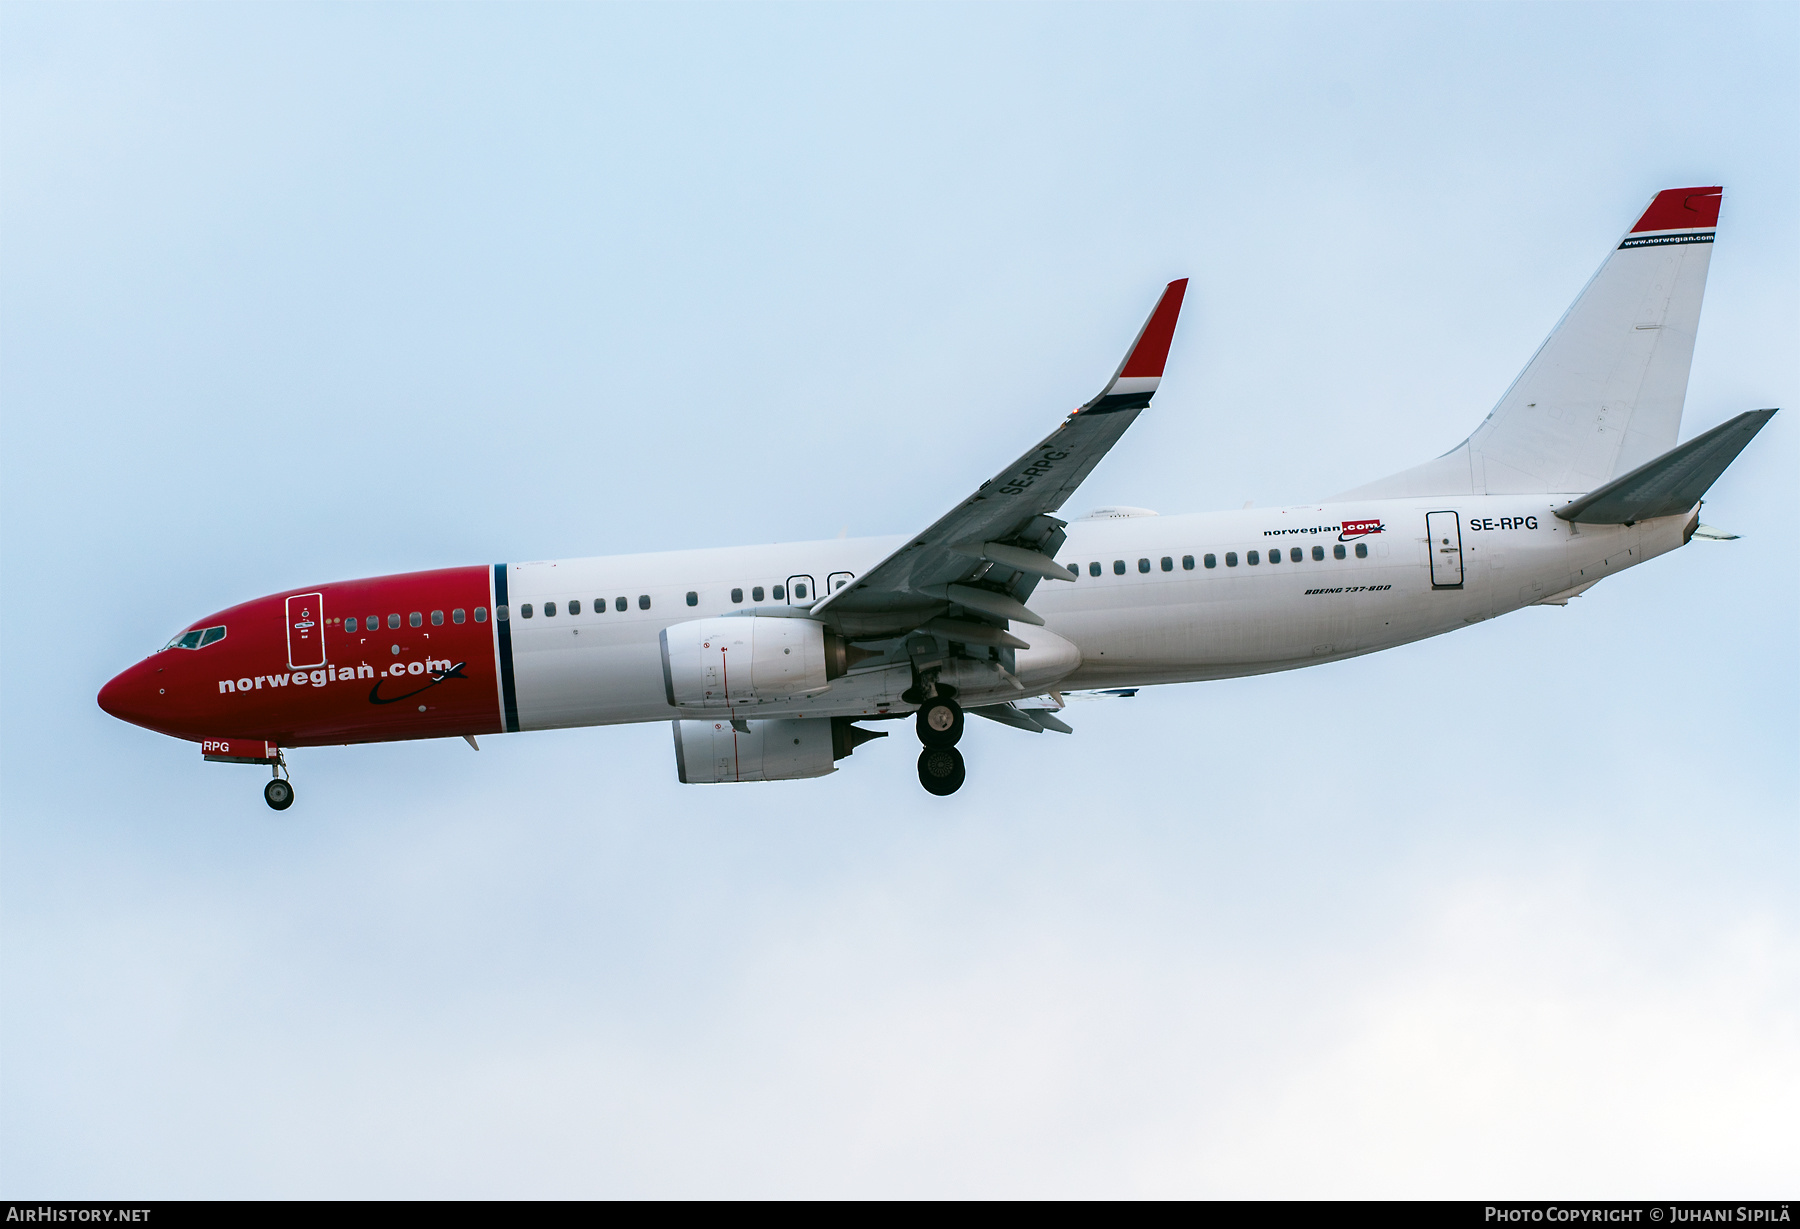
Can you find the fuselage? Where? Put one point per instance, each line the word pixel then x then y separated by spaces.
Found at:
pixel 576 642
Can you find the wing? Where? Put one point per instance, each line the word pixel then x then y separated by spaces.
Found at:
pixel 981 561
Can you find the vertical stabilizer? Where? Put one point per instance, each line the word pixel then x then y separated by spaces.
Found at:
pixel 1603 394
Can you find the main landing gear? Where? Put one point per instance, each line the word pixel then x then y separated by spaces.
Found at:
pixel 279 792
pixel 940 726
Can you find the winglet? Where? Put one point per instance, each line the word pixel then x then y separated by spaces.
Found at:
pixel 1681 209
pixel 1136 380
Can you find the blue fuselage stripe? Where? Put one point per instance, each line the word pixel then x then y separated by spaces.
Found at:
pixel 509 698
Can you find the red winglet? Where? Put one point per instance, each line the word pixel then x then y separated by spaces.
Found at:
pixel 1152 349
pixel 1682 209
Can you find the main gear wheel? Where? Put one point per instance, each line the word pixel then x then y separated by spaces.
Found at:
pixel 941 770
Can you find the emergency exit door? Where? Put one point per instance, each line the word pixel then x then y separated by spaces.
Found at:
pixel 306 631
pixel 1445 532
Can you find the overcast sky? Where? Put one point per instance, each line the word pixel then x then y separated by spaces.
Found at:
pixel 291 294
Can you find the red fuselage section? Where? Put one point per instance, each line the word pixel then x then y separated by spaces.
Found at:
pixel 394 657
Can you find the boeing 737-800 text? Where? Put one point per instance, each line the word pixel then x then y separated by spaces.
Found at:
pixel 770 662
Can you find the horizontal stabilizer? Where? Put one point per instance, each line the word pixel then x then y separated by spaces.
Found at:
pixel 1673 482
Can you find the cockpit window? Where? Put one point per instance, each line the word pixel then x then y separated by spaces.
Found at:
pixel 199 638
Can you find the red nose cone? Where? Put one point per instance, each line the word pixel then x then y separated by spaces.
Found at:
pixel 132 695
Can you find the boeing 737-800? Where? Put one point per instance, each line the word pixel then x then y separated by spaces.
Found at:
pixel 771 662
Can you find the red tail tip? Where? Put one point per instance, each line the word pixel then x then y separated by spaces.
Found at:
pixel 1682 209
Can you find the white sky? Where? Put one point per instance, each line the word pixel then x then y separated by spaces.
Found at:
pixel 294 293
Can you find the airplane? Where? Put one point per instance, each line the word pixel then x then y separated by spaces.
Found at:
pixel 771 663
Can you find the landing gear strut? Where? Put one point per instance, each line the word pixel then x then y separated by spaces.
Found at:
pixel 279 792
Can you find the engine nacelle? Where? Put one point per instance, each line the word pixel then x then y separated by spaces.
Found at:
pixel 709 752
pixel 755 659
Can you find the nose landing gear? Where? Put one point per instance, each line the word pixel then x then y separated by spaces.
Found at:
pixel 279 792
pixel 940 726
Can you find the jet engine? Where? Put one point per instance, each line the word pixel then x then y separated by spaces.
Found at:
pixel 708 752
pixel 754 659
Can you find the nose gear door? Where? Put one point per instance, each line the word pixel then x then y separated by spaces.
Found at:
pixel 306 631
pixel 1445 532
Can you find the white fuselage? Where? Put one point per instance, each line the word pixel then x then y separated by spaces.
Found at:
pixel 1137 627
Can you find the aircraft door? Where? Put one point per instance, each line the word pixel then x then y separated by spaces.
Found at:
pixel 306 631
pixel 800 591
pixel 1444 530
pixel 837 580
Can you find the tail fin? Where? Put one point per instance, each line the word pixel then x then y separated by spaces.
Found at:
pixel 1603 394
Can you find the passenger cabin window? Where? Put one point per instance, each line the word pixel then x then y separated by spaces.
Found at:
pixel 574 605
pixel 1337 552
pixel 1275 556
pixel 416 619
pixel 525 611
pixel 799 593
pixel 780 594
pixel 437 618
pixel 459 615
pixel 1252 559
pixel 549 610
pixel 1362 550
pixel 756 593
pixel 1231 559
pixel 1118 567
pixel 1187 563
pixel 1094 568
pixel 737 595
pixel 350 624
pixel 693 599
pixel 620 603
pixel 1318 553
pixel 643 601
pixel 1168 564
pixel 1296 555
pixel 1212 561
pixel 500 614
pixel 394 621
pixel 1143 565
pixel 481 614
